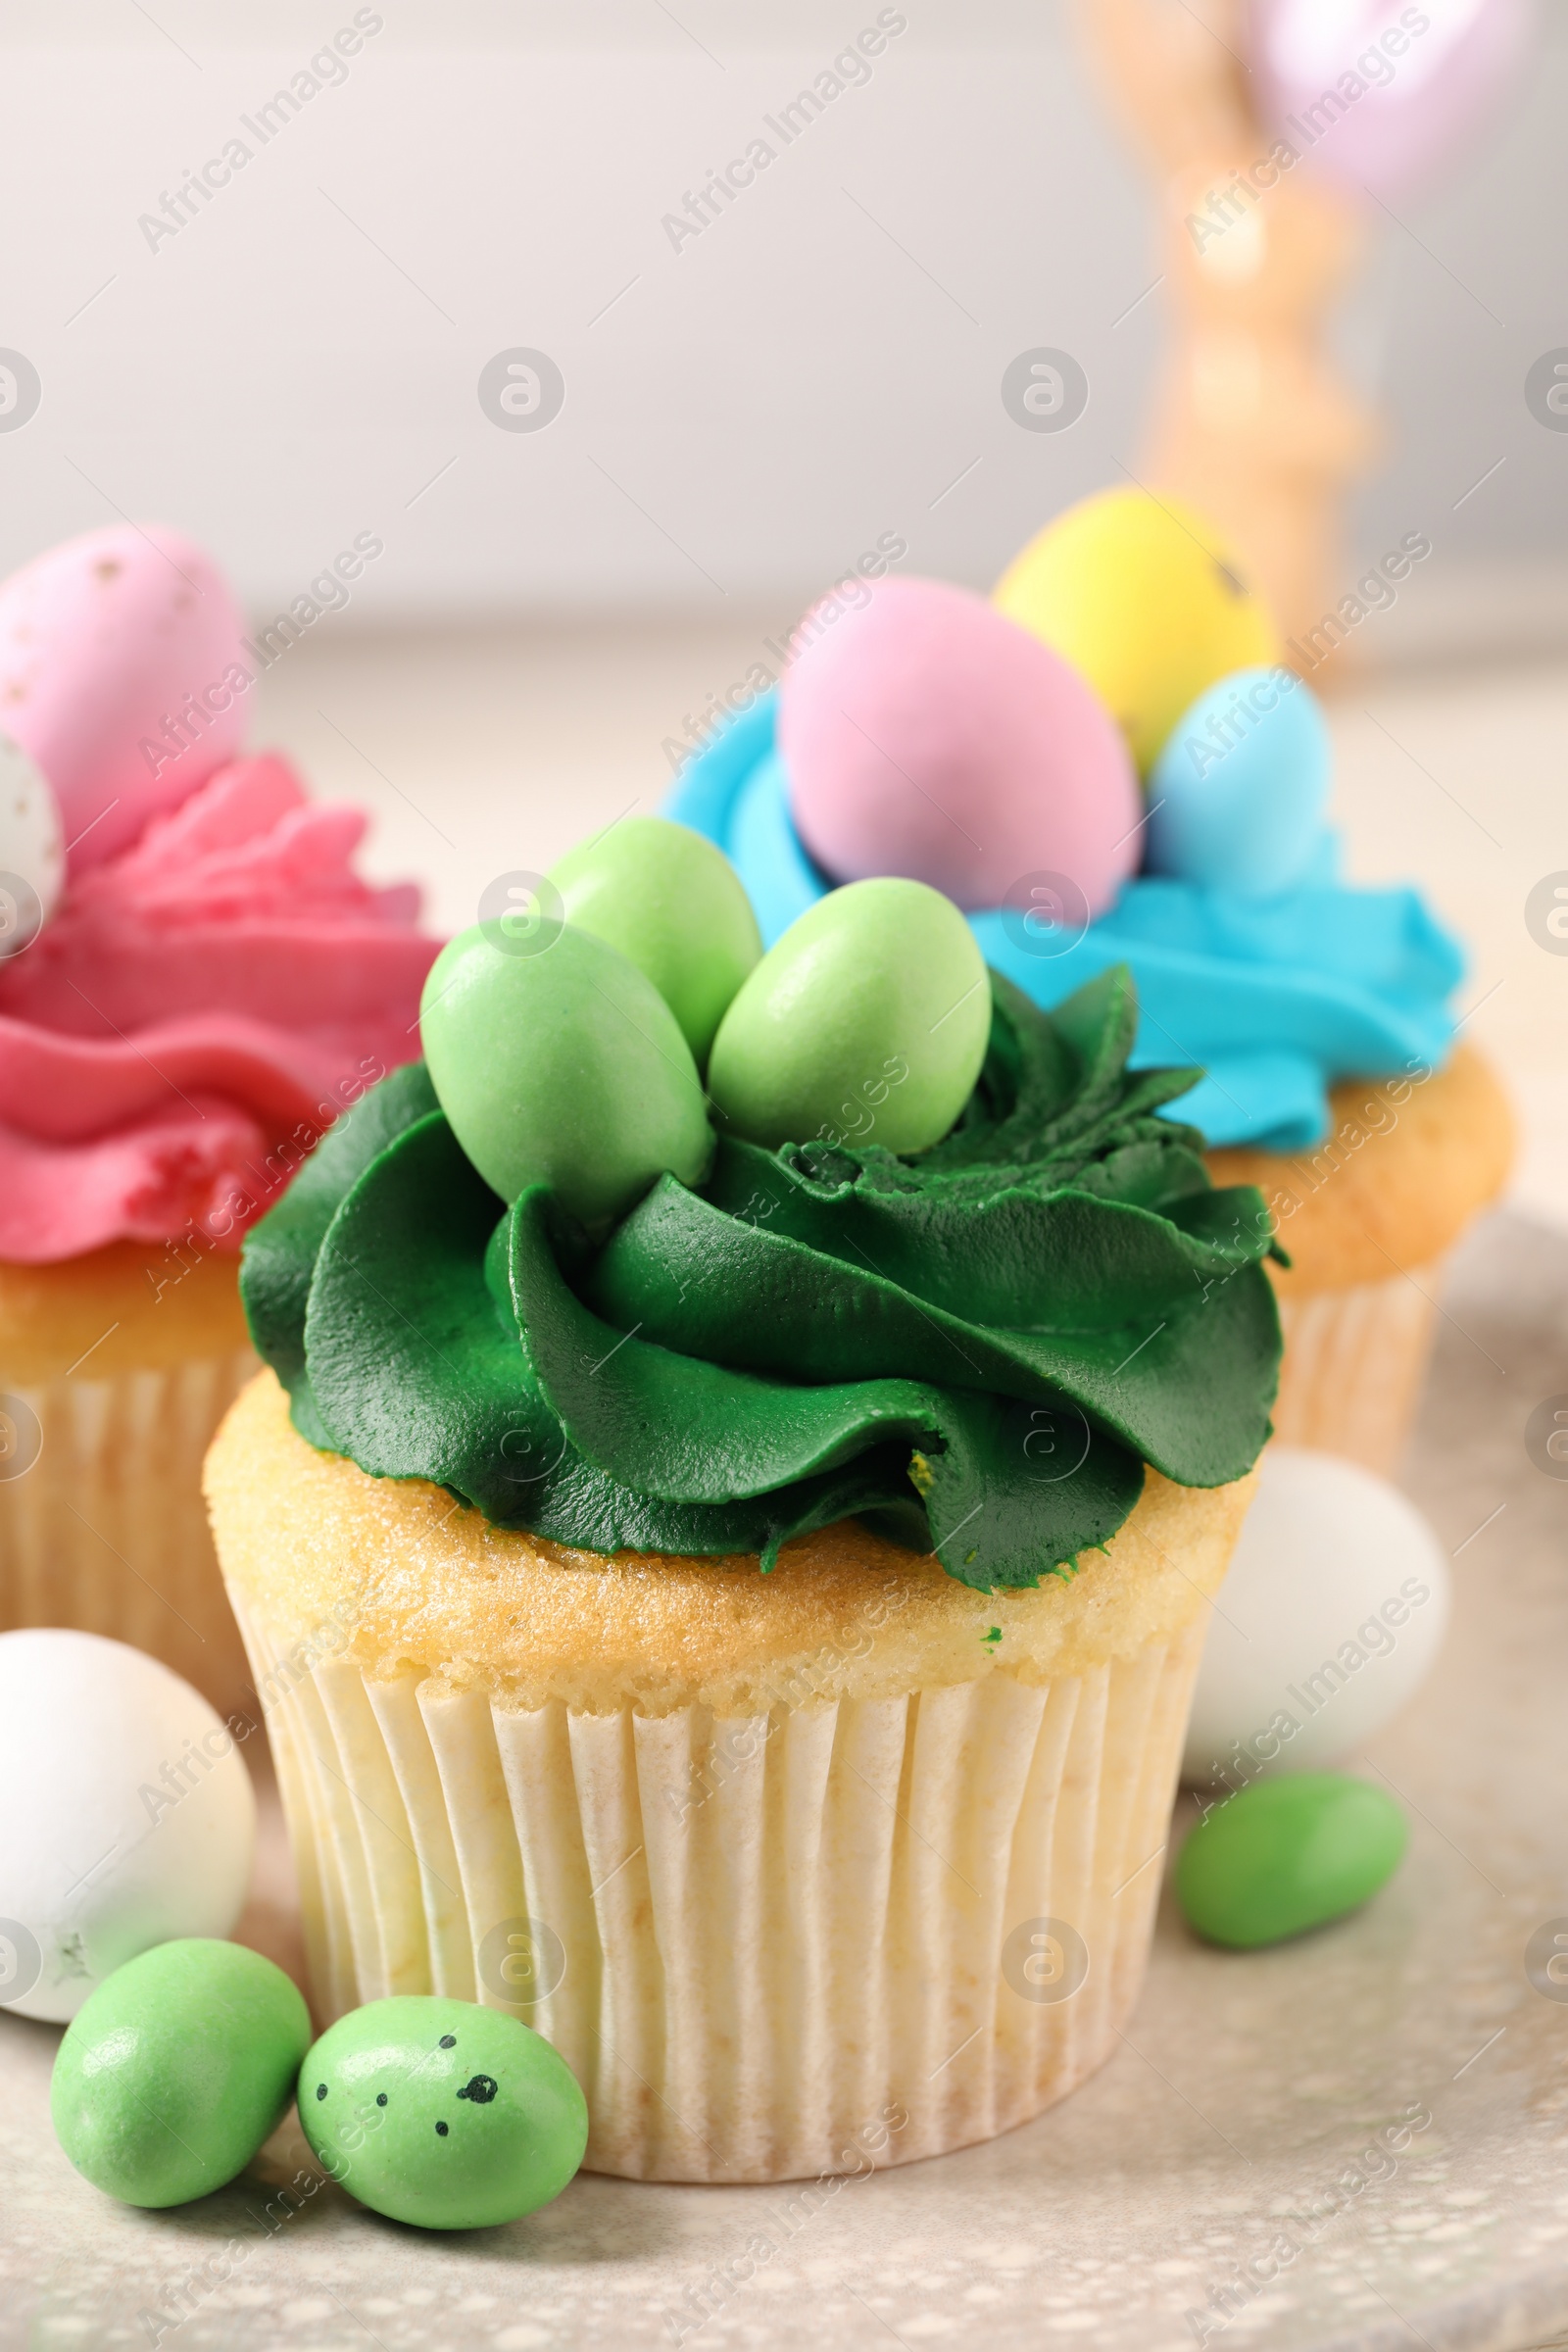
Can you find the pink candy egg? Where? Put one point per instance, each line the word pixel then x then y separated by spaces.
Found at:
pixel 927 736
pixel 123 676
pixel 1379 98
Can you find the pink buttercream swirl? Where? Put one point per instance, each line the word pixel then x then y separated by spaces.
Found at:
pixel 198 1012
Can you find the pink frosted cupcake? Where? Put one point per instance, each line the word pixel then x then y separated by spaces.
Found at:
pixel 197 984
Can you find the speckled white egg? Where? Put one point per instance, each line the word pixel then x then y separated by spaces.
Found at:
pixel 129 1816
pixel 1328 1621
pixel 33 849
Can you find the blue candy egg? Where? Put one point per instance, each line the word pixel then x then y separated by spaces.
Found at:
pixel 1237 796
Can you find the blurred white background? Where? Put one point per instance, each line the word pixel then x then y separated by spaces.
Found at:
pixel 742 415
pixel 300 364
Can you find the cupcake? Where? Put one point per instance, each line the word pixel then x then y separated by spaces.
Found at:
pixel 1108 765
pixel 726 1571
pixel 197 985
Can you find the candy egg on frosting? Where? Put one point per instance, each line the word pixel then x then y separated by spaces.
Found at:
pixel 1146 600
pixel 557 1062
pixel 927 737
pixel 1237 797
pixel 32 857
pixel 674 906
pixel 866 1023
pixel 123 675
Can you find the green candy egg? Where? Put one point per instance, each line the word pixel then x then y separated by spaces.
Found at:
pixel 441 2113
pixel 1288 1854
pixel 866 1022
pixel 559 1062
pixel 177 2069
pixel 674 906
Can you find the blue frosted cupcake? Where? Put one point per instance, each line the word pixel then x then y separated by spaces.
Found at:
pixel 1321 1015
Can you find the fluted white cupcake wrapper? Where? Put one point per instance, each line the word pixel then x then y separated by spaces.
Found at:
pixel 1355 1364
pixel 101 1522
pixel 765 1944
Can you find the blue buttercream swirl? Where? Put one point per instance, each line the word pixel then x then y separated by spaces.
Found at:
pixel 1276 999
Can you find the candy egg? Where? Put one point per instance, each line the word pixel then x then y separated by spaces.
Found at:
pixel 1329 1618
pixel 1237 797
pixel 866 1022
pixel 1286 1856
pixel 140 1819
pixel 123 676
pixel 674 906
pixel 1409 121
pixel 1143 597
pixel 33 856
pixel 176 2070
pixel 558 1063
pixel 926 736
pixel 442 2113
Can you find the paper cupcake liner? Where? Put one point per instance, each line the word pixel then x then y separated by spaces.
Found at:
pixel 101 1522
pixel 1355 1364
pixel 770 1946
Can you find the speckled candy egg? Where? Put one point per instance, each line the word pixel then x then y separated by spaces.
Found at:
pixel 1144 599
pixel 123 676
pixel 1328 1621
pixel 138 1819
pixel 1238 794
pixel 928 737
pixel 32 855
pixel 441 2113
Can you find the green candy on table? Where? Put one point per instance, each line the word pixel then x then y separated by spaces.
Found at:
pixel 867 1023
pixel 557 1062
pixel 674 906
pixel 441 2113
pixel 177 2069
pixel 1285 1855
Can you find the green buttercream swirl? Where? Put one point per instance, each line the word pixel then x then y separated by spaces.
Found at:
pixel 978 1350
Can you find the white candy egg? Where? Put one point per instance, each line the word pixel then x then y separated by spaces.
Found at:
pixel 1328 1621
pixel 129 1819
pixel 32 852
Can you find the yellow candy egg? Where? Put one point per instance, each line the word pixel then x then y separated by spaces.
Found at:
pixel 1146 601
